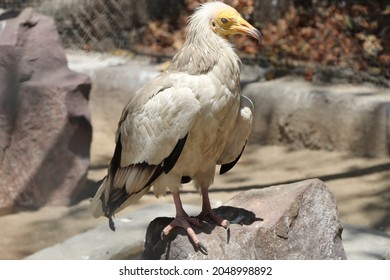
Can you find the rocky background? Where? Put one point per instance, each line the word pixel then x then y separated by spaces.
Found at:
pixel 59 112
pixel 45 120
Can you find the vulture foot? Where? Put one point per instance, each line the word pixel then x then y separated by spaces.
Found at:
pixel 185 223
pixel 216 219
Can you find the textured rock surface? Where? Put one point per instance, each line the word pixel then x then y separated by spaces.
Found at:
pixel 337 117
pixel 294 221
pixel 45 130
pixel 365 243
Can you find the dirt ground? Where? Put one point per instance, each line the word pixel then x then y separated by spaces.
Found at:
pixel 361 187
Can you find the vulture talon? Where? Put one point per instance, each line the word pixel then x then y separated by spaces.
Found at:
pixel 216 219
pixel 225 225
pixel 202 248
pixel 205 223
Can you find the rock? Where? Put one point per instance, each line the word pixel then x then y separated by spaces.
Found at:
pixel 293 112
pixel 294 221
pixel 251 74
pixel 363 243
pixel 45 129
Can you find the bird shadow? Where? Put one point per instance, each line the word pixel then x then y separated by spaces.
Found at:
pixel 157 248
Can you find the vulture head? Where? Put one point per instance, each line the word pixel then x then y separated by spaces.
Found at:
pixel 224 20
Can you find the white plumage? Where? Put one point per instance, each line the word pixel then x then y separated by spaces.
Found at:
pixel 183 123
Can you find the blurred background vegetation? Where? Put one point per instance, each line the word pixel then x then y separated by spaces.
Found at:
pixel 350 38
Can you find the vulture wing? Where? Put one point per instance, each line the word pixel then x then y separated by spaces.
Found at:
pixel 150 137
pixel 237 140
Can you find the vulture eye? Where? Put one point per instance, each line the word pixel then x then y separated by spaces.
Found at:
pixel 224 20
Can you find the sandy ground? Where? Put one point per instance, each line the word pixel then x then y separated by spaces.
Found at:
pixel 360 185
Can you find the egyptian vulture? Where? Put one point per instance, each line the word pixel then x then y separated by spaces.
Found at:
pixel 183 123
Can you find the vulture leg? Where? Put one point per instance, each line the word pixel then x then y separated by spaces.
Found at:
pixel 184 221
pixel 208 212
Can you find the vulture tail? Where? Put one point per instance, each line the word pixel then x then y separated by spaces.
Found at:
pixel 118 196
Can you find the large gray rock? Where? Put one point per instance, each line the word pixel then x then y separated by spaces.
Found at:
pixel 45 129
pixel 290 111
pixel 294 221
pixel 365 244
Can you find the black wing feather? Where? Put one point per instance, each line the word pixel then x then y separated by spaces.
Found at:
pixel 119 195
pixel 226 167
pixel 171 160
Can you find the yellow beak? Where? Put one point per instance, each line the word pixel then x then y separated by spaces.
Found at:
pixel 241 26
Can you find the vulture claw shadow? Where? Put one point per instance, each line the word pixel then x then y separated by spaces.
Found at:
pixel 158 246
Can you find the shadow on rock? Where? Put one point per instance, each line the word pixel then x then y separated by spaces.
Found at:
pixel 237 215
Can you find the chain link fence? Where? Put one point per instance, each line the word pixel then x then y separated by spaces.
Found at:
pixel 332 33
pixel 93 25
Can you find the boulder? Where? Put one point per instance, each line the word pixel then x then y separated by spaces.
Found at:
pixel 300 114
pixel 45 129
pixel 362 243
pixel 293 221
